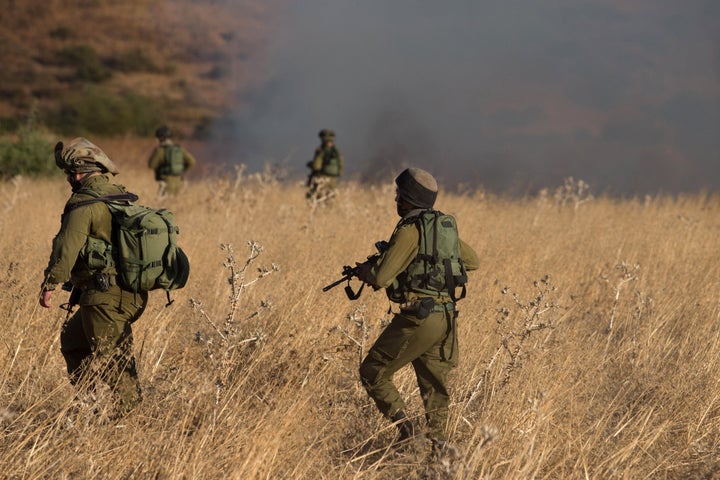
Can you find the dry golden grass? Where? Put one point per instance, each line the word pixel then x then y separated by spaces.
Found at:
pixel 605 369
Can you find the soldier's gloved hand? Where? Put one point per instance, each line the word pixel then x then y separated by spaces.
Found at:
pixel 45 298
pixel 363 271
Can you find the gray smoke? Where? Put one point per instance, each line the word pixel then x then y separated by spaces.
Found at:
pixel 510 95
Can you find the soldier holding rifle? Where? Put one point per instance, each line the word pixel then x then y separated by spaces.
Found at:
pixel 421 270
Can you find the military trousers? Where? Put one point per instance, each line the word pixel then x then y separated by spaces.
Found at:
pixel 430 345
pixel 170 185
pixel 97 343
pixel 321 187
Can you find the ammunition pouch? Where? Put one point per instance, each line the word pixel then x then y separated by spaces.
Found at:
pixel 419 309
pixel 97 254
pixel 100 282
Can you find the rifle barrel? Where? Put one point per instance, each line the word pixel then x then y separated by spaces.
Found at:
pixel 336 283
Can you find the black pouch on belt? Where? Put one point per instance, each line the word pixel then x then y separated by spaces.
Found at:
pixel 102 282
pixel 419 309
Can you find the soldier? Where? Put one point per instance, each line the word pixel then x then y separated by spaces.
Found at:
pixel 96 341
pixel 325 168
pixel 169 161
pixel 423 332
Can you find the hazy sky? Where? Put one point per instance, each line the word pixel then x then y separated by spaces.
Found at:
pixel 509 94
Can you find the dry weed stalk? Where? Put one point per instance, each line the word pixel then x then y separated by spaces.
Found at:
pixel 326 198
pixel 220 350
pixel 271 176
pixel 627 273
pixel 357 335
pixel 532 314
pixel 572 192
pixel 11 198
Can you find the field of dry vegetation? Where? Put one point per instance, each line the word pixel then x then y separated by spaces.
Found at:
pixel 590 341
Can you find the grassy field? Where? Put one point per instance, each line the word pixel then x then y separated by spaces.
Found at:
pixel 590 341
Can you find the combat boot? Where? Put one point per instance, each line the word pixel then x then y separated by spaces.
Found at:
pixel 406 427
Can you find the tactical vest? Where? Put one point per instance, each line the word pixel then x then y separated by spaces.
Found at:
pixel 437 270
pixel 97 255
pixel 174 162
pixel 331 162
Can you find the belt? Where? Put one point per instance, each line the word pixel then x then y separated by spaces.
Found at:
pixel 439 307
pixel 92 283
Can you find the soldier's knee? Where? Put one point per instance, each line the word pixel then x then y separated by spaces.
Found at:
pixel 368 371
pixel 372 369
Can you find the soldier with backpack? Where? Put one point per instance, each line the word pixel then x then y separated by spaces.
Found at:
pixel 169 161
pixel 325 168
pixel 96 341
pixel 422 269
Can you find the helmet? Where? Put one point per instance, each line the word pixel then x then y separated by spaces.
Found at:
pixel 326 134
pixel 83 156
pixel 163 131
pixel 417 187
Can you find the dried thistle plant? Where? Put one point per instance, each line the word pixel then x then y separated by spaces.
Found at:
pixel 532 316
pixel 625 273
pixel 356 335
pixel 10 199
pixel 572 192
pixel 220 348
pixel 237 278
pixel 271 175
pixel 514 328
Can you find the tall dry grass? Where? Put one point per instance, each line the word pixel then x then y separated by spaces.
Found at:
pixel 590 341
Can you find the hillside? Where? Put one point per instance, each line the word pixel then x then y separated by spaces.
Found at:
pixel 182 62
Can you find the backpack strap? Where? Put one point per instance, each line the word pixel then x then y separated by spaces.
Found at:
pixel 451 282
pixel 435 235
pixel 112 197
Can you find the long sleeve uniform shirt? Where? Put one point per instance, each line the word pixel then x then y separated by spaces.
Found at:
pixel 77 224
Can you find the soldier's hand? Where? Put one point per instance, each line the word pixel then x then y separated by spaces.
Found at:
pixel 45 298
pixel 363 271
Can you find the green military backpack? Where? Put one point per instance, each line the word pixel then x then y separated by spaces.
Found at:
pixel 174 160
pixel 331 162
pixel 144 245
pixel 437 269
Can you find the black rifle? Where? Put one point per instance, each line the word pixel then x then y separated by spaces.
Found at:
pixel 350 272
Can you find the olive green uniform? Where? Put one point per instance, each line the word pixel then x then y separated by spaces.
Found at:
pixel 169 184
pixel 97 339
pixel 326 167
pixel 430 343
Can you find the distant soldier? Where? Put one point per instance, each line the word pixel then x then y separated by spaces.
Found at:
pixel 421 269
pixel 169 161
pixel 96 341
pixel 325 168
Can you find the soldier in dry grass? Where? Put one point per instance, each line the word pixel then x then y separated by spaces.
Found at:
pixel 325 168
pixel 421 269
pixel 97 340
pixel 169 161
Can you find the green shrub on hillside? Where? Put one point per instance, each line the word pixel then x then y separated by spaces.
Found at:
pixel 100 111
pixel 87 63
pixel 9 124
pixel 133 61
pixel 31 154
pixel 62 33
